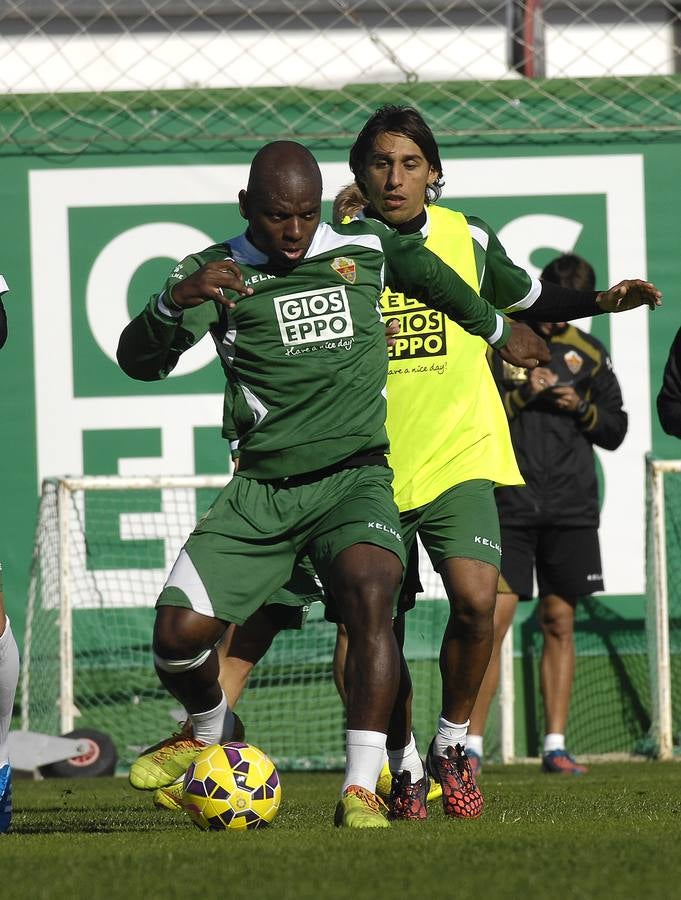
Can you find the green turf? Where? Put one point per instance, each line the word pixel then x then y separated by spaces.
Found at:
pixel 612 834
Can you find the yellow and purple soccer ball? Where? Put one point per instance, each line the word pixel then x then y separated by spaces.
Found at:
pixel 231 785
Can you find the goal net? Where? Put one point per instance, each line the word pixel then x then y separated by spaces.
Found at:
pixel 103 548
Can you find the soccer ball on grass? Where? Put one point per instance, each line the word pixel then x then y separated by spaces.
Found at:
pixel 231 785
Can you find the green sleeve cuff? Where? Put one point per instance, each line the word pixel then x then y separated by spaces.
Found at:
pixel 499 338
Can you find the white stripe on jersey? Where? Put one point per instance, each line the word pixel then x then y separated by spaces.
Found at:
pixel 256 406
pixel 498 330
pixel 529 299
pixel 227 346
pixel 166 310
pixel 326 239
pixel 479 235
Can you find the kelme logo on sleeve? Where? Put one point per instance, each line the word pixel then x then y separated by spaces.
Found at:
pixel 313 318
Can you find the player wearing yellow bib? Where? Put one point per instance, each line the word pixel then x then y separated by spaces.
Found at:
pixel 449 438
pixel 449 446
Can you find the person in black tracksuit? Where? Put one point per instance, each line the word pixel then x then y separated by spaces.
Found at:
pixel 557 413
pixel 3 324
pixel 669 398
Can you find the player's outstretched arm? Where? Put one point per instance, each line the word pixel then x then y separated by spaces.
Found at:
pixel 560 304
pixel 418 273
pixel 629 294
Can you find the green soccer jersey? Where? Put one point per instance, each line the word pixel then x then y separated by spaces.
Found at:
pixel 306 353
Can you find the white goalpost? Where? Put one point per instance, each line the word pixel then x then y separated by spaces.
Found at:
pixel 662 478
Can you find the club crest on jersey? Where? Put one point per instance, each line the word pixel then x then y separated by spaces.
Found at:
pixel 573 361
pixel 345 267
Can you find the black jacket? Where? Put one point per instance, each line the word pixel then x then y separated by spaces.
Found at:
pixel 3 325
pixel 669 398
pixel 555 448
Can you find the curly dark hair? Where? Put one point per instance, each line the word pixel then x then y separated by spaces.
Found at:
pixel 404 120
pixel 570 271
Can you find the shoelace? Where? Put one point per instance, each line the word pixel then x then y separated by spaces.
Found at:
pixel 370 799
pixel 174 743
pixel 459 761
pixel 407 792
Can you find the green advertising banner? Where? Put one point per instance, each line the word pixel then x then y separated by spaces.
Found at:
pixel 86 240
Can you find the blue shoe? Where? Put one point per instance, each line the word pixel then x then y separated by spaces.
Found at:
pixel 475 760
pixel 559 762
pixel 5 797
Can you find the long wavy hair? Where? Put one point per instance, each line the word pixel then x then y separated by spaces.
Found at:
pixel 404 120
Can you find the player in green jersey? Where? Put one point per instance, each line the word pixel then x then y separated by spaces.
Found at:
pixel 292 308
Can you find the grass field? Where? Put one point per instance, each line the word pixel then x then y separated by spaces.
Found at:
pixel 612 834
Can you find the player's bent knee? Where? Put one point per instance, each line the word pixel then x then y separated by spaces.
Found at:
pixel 178 666
pixel 182 634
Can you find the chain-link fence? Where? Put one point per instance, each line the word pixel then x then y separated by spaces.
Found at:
pixel 147 74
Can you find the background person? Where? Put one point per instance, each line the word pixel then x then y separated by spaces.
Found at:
pixel 9 678
pixel 9 660
pixel 557 414
pixel 669 397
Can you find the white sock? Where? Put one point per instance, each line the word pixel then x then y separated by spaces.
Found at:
pixel 474 743
pixel 407 760
pixel 9 678
pixel 214 726
pixel 365 752
pixel 554 741
pixel 449 734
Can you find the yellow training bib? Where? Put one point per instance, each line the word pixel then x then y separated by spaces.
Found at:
pixel 446 422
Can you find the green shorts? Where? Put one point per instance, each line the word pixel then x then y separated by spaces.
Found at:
pixel 462 522
pixel 288 607
pixel 246 546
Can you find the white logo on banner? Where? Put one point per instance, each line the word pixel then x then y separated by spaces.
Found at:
pixel 62 417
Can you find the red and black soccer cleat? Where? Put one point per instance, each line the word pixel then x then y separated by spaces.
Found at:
pixel 461 797
pixel 407 800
